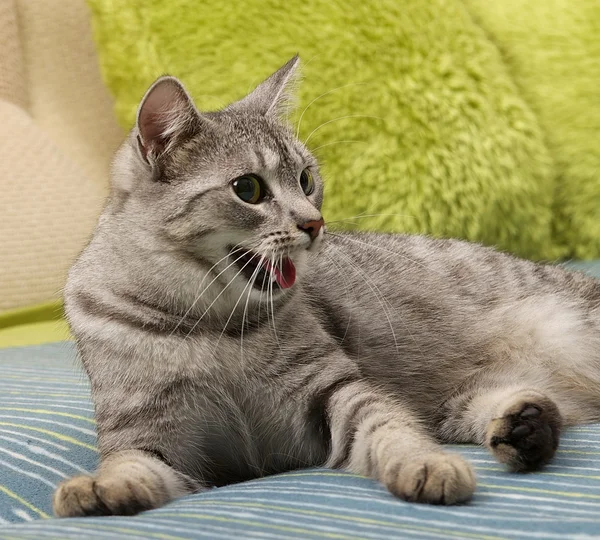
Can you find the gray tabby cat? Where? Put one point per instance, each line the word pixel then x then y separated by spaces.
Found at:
pixel 222 344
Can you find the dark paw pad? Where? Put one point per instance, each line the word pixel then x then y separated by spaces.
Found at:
pixel 527 436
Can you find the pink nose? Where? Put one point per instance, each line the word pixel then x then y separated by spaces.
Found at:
pixel 312 227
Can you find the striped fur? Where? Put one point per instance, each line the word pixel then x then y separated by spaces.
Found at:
pixel 204 375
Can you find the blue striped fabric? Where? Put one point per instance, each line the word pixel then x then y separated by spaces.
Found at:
pixel 47 434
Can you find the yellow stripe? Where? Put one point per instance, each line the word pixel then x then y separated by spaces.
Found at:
pixel 27 378
pixel 46 411
pixel 263 525
pixel 341 517
pixel 569 475
pixel 29 393
pixel 546 491
pixel 561 451
pixel 59 436
pixel 14 496
pixel 138 532
pixel 318 474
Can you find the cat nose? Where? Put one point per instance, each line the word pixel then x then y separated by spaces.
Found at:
pixel 312 227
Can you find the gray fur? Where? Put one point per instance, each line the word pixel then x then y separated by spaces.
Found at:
pixel 384 344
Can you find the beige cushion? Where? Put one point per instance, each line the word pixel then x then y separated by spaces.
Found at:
pixel 57 136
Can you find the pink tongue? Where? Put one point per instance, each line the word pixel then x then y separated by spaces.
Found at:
pixel 286 275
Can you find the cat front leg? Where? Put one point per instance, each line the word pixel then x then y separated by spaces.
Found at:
pixel 375 435
pixel 126 483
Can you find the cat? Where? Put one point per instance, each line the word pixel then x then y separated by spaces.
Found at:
pixel 228 336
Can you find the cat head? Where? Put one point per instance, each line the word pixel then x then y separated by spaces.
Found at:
pixel 233 188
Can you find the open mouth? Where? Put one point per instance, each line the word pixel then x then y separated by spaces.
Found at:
pixel 262 271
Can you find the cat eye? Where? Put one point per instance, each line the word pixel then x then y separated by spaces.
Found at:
pixel 249 188
pixel 307 182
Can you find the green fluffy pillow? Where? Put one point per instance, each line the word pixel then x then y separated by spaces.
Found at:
pixel 409 105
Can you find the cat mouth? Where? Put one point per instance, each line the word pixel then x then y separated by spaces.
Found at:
pixel 263 271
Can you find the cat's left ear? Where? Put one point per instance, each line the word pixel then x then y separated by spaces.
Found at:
pixel 274 96
pixel 166 115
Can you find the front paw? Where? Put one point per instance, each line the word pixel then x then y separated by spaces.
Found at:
pixel 526 436
pixel 108 495
pixel 437 478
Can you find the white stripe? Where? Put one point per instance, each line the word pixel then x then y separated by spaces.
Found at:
pixel 21 457
pixel 42 399
pixel 43 452
pixel 396 522
pixel 404 518
pixel 553 509
pixel 27 473
pixel 53 422
pixel 516 479
pixel 308 522
pixel 43 368
pixel 47 403
pixel 39 439
pixel 336 495
pixel 54 528
pixel 529 497
pixel 563 468
pixel 152 523
pixel 172 524
pixel 56 388
pixel 43 374
pixel 19 512
pixel 374 492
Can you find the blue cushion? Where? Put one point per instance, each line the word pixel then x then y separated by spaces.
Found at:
pixel 47 434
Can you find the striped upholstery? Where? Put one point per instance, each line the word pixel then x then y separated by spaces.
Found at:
pixel 47 434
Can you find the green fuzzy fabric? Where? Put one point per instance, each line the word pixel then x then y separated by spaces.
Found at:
pixel 426 116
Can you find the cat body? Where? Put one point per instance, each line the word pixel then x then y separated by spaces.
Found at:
pixel 227 336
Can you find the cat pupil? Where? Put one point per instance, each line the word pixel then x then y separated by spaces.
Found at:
pixel 306 182
pixel 248 188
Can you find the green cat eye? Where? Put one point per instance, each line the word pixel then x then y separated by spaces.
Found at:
pixel 249 188
pixel 307 182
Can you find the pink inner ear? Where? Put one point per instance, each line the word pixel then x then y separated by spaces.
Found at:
pixel 162 106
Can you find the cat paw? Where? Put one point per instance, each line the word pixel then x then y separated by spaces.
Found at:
pixel 104 496
pixel 434 478
pixel 526 436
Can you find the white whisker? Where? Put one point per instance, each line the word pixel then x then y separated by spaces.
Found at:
pixel 335 142
pixel 318 98
pixel 336 119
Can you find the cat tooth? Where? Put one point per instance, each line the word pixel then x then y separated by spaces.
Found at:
pixel 273 277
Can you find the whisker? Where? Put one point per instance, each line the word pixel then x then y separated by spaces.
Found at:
pixel 336 142
pixel 202 281
pixel 255 275
pixel 218 296
pixel 379 298
pixel 273 307
pixel 249 284
pixel 336 119
pixel 362 216
pixel 406 327
pixel 346 282
pixel 319 97
pixel 372 246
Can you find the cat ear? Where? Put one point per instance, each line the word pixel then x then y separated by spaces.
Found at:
pixel 165 115
pixel 274 96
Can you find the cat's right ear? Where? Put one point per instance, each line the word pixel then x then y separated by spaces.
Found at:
pixel 166 114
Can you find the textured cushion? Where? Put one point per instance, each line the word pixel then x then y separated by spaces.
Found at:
pixel 47 434
pixel 428 116
pixel 57 136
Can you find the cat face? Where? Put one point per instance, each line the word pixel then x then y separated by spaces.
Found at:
pixel 234 188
